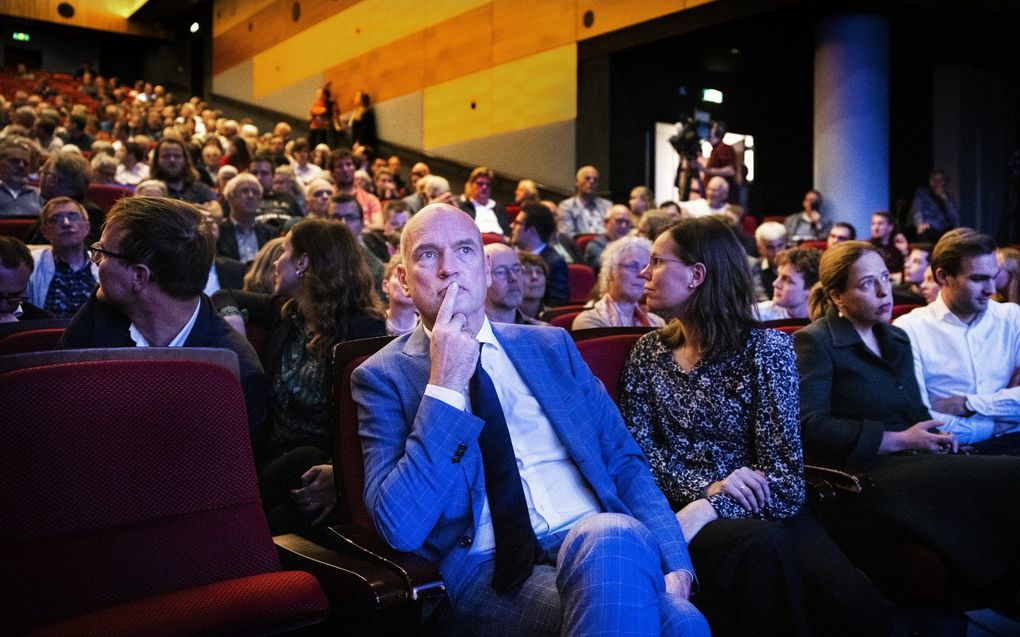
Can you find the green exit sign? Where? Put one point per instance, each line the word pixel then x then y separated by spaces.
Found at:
pixel 21 37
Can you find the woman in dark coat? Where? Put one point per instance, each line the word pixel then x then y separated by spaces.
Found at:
pixel 861 409
pixel 324 295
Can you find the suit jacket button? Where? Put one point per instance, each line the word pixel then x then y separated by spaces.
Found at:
pixel 465 542
pixel 899 386
pixel 461 448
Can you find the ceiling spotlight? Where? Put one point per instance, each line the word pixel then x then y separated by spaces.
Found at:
pixel 194 27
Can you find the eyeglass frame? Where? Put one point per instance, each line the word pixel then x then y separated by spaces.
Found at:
pixel 93 250
pixel 503 271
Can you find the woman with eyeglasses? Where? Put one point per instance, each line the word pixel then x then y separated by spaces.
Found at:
pixel 861 410
pixel 622 287
pixel 324 294
pixel 535 273
pixel 712 401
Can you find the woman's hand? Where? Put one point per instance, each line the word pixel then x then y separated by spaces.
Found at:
pixel 749 487
pixel 318 492
pixel 694 516
pixel 920 437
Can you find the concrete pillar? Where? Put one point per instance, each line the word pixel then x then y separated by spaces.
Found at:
pixel 851 126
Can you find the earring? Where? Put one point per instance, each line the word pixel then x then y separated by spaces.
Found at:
pixel 690 286
pixel 299 273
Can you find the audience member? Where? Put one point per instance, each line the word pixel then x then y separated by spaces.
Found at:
pixel 436 189
pixel 535 273
pixel 640 201
pixel 477 202
pixel 908 292
pixel 722 162
pixel 347 210
pixel 526 192
pixel 15 272
pixel 861 409
pixel 882 237
pixel 16 196
pixel 796 274
pixel 154 258
pixel 506 290
pixel 261 276
pixel 63 277
pixel 401 315
pixel 839 232
pixel 714 203
pixel 104 169
pixel 319 195
pixel 416 200
pixel 385 242
pixel 712 402
pixel 619 223
pixel 393 164
pixel 585 212
pixel 385 185
pixel 132 168
pixel 770 238
pixel 240 235
pixel 621 287
pixel 656 221
pixel 1007 281
pixel 531 231
pixel 171 164
pixel 343 174
pixel 150 188
pixel 933 209
pixel 809 224
pixel 323 296
pixel 275 208
pixel 966 346
pixel 225 272
pixel 67 174
pixel 590 497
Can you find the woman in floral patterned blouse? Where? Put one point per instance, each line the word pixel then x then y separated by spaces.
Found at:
pixel 712 400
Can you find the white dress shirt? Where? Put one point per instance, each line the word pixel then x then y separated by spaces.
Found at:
pixel 952 358
pixel 485 217
pixel 178 341
pixel 557 494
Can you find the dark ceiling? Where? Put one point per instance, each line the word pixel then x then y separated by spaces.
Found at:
pixel 168 13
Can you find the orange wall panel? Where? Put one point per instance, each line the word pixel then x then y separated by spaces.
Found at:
pixel 458 46
pixel 520 29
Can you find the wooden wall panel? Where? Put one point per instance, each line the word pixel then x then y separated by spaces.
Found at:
pixel 227 13
pixel 271 23
pixel 387 72
pixel 520 28
pixel 458 46
pixel 611 15
pixel 536 90
pixel 102 15
pixel 458 110
pixel 355 31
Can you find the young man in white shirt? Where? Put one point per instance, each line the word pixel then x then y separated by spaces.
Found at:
pixel 967 347
pixel 796 273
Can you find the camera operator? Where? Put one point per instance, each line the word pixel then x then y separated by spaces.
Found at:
pixel 722 162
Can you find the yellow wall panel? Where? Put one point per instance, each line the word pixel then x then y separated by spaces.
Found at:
pixel 611 15
pixel 227 13
pixel 536 90
pixel 458 110
pixel 458 46
pixel 355 31
pixel 520 28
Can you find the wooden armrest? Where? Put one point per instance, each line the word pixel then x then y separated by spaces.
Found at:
pixel 420 575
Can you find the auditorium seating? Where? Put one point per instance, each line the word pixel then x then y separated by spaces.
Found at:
pixel 582 240
pixel 581 280
pixel 564 320
pixel 493 237
pixel 549 314
pixel 30 340
pixel 17 227
pixel 105 195
pixel 131 501
pixel 605 350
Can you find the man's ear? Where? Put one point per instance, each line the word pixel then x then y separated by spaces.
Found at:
pixel 940 276
pixel 402 278
pixel 141 276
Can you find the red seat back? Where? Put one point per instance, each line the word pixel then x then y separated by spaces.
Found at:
pixel 581 279
pixel 565 320
pixel 817 245
pixel 17 227
pixel 606 356
pixel 900 309
pixel 124 479
pixel 30 341
pixel 582 240
pixel 105 195
pixel 347 459
pixel 788 326
pixel 493 237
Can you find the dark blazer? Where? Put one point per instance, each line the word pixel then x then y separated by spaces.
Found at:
pixel 99 324
pixel 227 244
pixel 230 272
pixel 502 216
pixel 557 284
pixel 849 396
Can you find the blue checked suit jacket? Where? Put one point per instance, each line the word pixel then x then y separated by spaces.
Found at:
pixel 423 470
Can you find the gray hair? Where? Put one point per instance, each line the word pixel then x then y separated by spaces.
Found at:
pixel 237 181
pixel 612 256
pixel 770 231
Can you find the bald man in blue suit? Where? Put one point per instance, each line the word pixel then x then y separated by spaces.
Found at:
pixel 610 557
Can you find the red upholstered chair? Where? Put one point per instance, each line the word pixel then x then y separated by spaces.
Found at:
pixel 401 605
pixel 17 227
pixel 105 195
pixel 582 241
pixel 776 218
pixel 565 319
pixel 131 503
pixel 30 341
pixel 581 280
pixel 817 245
pixel 551 313
pixel 748 224
pixel 900 309
pixel 606 350
pixel 493 237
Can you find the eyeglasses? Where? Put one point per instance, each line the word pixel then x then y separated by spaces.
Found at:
pixel 633 267
pixel 503 272
pixel 657 262
pixel 71 217
pixel 533 270
pixel 97 254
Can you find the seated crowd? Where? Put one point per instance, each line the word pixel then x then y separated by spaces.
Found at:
pixel 489 446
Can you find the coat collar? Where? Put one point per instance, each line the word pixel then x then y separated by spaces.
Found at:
pixel 893 341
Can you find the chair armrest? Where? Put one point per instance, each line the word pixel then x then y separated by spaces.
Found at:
pixel 828 481
pixel 420 575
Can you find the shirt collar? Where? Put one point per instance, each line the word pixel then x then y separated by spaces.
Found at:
pixel 485 334
pixel 178 341
pixel 942 313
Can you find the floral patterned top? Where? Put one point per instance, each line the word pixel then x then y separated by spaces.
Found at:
pixel 738 410
pixel 301 411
